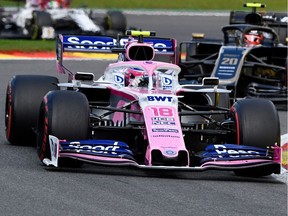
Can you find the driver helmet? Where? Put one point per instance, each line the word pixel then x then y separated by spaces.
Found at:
pixel 133 74
pixel 253 38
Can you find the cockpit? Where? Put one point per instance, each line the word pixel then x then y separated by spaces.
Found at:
pixel 249 35
pixel 143 74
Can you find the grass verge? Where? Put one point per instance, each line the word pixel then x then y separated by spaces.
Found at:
pixel 275 5
pixel 27 45
pixel 42 45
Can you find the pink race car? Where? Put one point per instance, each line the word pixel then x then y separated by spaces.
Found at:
pixel 137 114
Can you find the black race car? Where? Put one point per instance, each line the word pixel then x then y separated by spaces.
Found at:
pixel 34 23
pixel 250 61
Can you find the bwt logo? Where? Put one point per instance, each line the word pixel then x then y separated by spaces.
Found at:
pixel 119 79
pixel 159 98
pixel 166 81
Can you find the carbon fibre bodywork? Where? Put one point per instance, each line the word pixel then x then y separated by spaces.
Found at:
pixel 276 20
pixel 249 71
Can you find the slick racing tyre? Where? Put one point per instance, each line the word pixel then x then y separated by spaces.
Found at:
pixel 115 21
pixel 23 98
pixel 40 19
pixel 257 124
pixel 65 115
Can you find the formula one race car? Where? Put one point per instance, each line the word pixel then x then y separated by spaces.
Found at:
pixel 276 20
pixel 138 115
pixel 35 23
pixel 250 61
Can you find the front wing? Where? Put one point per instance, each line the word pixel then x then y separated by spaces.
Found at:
pixel 113 153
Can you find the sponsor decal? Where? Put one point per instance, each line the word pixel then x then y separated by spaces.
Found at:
pixel 160 47
pixel 163 126
pixel 170 152
pixel 102 43
pixel 159 98
pixel 165 136
pixel 99 149
pixel 106 43
pixel 163 123
pixel 119 79
pixel 165 130
pixel 229 61
pixel 166 81
pixel 223 150
pixel 162 119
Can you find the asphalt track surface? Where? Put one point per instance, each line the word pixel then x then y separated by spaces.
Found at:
pixel 28 188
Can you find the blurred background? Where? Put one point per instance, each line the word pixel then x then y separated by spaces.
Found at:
pixel 275 5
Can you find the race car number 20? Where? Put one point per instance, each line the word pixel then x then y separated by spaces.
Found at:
pixel 229 61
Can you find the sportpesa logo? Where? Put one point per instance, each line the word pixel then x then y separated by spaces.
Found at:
pixel 100 149
pixel 107 43
pixel 102 43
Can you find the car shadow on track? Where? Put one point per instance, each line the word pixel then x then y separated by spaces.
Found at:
pixel 209 175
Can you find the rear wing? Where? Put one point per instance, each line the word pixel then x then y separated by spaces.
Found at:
pixel 268 18
pixel 107 44
pixel 258 17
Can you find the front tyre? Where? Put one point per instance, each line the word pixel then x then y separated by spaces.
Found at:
pixel 64 114
pixel 23 98
pixel 257 124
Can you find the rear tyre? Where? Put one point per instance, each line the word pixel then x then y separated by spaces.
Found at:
pixel 40 19
pixel 23 98
pixel 64 114
pixel 115 21
pixel 257 124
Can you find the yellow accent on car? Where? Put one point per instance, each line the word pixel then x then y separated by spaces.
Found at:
pixel 138 33
pixel 255 5
pixel 198 35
